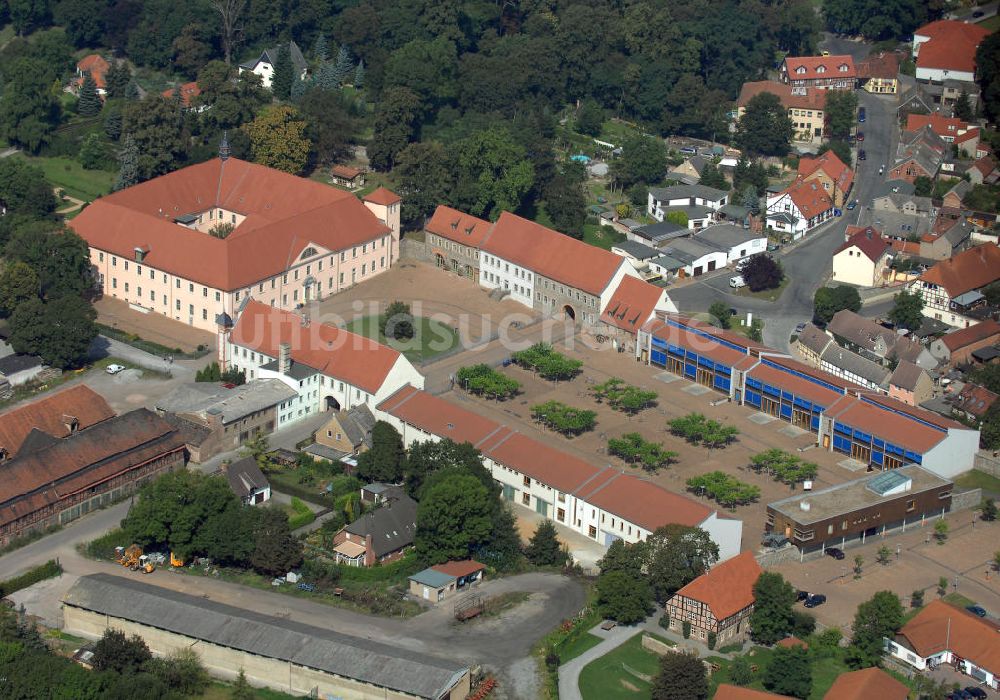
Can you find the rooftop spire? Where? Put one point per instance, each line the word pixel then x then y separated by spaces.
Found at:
pixel 224 146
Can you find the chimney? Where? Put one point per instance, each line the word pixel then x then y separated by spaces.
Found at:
pixel 71 422
pixel 284 358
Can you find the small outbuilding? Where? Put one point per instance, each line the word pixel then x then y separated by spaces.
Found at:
pixel 247 481
pixel 441 581
pixel 346 176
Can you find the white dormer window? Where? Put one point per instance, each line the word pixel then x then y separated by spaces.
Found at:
pixel 843 67
pixel 801 70
pixel 821 69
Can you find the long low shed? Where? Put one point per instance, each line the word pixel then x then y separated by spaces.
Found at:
pixel 280 654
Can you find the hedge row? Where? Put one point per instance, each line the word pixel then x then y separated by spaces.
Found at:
pixel 49 569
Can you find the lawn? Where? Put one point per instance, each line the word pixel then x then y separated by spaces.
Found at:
pixel 621 673
pixel 601 236
pixel 766 294
pixel 69 176
pixel 570 651
pixel 222 691
pixel 993 23
pixel 431 338
pixel 976 479
pixel 958 600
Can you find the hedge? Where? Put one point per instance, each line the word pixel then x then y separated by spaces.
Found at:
pixel 49 569
pixel 303 516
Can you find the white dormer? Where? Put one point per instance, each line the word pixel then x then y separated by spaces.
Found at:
pixel 821 69
pixel 843 68
pixel 801 70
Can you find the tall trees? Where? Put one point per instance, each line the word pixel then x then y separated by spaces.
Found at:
pixel 875 19
pixel 330 125
pixel 765 129
pixel 397 119
pixel 89 103
pixel 643 160
pixel 117 80
pixel 453 518
pixel 676 555
pixel 277 139
pixel 907 312
pixel 988 70
pixel 761 271
pixel 231 27
pixel 492 174
pixel 18 283
pixel 28 111
pixel 128 164
pixel 789 672
pixel 829 300
pixel 385 460
pixel 276 551
pixel 774 597
pixel 839 110
pixel 875 619
pixel 160 135
pixel 24 189
pixel 59 331
pixel 681 677
pixel 566 204
pixel 283 74
pixel 424 180
pixel 544 549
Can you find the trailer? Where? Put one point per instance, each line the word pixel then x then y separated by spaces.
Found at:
pixel 469 607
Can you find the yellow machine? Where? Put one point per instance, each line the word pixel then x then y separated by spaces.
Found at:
pixel 145 565
pixel 129 556
pixel 175 560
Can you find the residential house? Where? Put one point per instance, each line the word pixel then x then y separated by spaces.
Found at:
pixel 454 240
pixel 942 286
pixel 806 108
pixel 293 241
pixel 347 432
pixel 811 343
pixel 381 535
pixel 667 268
pixel 896 227
pixel 909 204
pixel 738 243
pixel 887 187
pixel 879 73
pixel 698 201
pixel 19 369
pixel 911 384
pixel 599 502
pixel 953 197
pixel 263 65
pixel 633 304
pixel 984 171
pixel 58 414
pixel 973 401
pixel 820 72
pixel 827 169
pixel 214 418
pixel 443 581
pixel 799 208
pixel 876 342
pixel 637 253
pixel 63 478
pixel 346 176
pixel 874 505
pixel 866 684
pixel 738 215
pixel 718 602
pixel 329 368
pixel 950 129
pixel 98 69
pixel 689 171
pixel 852 367
pixel 956 348
pixel 946 50
pixel 863 259
pixel 247 481
pixel 944 634
pixel 185 92
pixel 919 154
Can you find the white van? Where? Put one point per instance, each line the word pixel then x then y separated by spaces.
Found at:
pixel 737 282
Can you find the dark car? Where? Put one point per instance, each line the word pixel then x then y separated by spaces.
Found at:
pixel 862 155
pixel 976 610
pixel 815 599
pixel 853 203
pixel 799 327
pixel 861 114
pixel 861 136
pixel 977 693
pixel 801 595
pixel 976 15
pixel 835 552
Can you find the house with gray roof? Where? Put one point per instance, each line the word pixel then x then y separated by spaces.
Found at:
pixel 851 367
pixel 247 481
pixel 811 344
pixel 900 227
pixel 663 198
pixel 894 187
pixel 381 535
pixel 263 65
pixel 344 433
pixel 635 251
pixel 698 256
pixel 657 234
pixel 900 203
pixel 737 241
pixel 274 652
pixel 911 384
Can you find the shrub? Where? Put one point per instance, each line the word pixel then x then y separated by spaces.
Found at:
pixel 740 670
pixel 547 362
pixel 49 569
pixel 664 621
pixel 483 380
pixel 686 629
pixel 564 419
pixel 552 661
pixel 711 640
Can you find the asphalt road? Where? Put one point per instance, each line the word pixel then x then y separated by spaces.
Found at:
pixel 808 262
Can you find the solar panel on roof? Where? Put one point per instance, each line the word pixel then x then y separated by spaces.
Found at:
pixel 883 483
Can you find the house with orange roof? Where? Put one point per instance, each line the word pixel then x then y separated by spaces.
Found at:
pixel 634 303
pixel 953 286
pixel 799 208
pixel 194 244
pixel 879 73
pixel 806 108
pixel 819 72
pixel 956 348
pixel 866 684
pixel 185 92
pixel 863 259
pixel 599 502
pixel 946 50
pixel 829 170
pixel 330 368
pixel 984 171
pixel 943 634
pixel 951 129
pixel 454 239
pixel 718 602
pixel 58 415
pixel 97 66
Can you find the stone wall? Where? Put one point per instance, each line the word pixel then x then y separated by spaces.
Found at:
pixel 656 646
pixel 412 249
pixel 966 500
pixel 987 465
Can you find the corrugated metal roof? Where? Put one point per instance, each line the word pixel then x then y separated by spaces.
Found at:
pixel 324 650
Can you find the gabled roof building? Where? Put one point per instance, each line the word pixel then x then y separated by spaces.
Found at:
pixel 719 601
pixel 58 414
pixel 946 50
pixel 819 72
pixel 943 285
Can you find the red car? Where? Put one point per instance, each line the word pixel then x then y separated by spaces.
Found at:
pixel 861 136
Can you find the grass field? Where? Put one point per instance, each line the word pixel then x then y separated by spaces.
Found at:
pixel 993 23
pixel 768 294
pixel 70 176
pixel 620 673
pixel 976 479
pixel 579 645
pixel 431 338
pixel 601 237
pixel 958 600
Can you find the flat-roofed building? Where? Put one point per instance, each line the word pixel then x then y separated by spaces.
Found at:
pixel 850 513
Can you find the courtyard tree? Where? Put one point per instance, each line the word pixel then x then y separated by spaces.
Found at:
pixel 677 555
pixel 771 619
pixel 624 598
pixel 761 272
pixel 278 140
pixel 544 549
pixel 765 128
pixel 884 555
pixel 635 449
pixel 483 380
pixel 623 397
pixel 397 321
pixel 549 364
pixel 564 419
pixel 839 111
pixel 696 428
pixel 829 300
pixel 723 488
pixel 719 311
pixel 386 459
pixel 907 311
pixel 875 620
pixel 453 518
pixel 681 677
pixel 988 512
pixel 941 531
pixel 789 672
pixel 426 458
pixel 741 671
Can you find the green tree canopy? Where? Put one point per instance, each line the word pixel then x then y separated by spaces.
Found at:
pixel 453 518
pixel 424 180
pixel 839 112
pixel 114 651
pixel 161 136
pixel 492 173
pixel 24 189
pixel 643 161
pixel 761 272
pixel 18 283
pixel 278 140
pixel 681 677
pixel 988 74
pixel 774 597
pixel 829 300
pixel 28 111
pixel 544 549
pixel 907 312
pixel 876 619
pixel 624 598
pixel 765 128
pixel 397 120
pixel 677 555
pixel 57 254
pixel 59 331
pixel 275 550
pixel 386 460
pixel 789 672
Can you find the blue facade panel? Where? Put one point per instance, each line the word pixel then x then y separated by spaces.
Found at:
pixel 786 411
pixel 690 371
pixel 753 398
pixel 815 423
pixel 658 358
pixel 877 457
pixel 723 382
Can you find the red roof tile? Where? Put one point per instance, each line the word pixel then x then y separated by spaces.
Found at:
pixel 284 214
pixel 382 196
pixel 546 464
pixel 866 684
pixel 971 269
pixel 187 91
pixel 632 304
pixel 333 351
pixel 891 426
pixel 791 642
pixel 458 569
pixel 551 254
pixel 984 330
pixel 51 415
pixel 882 65
pixel 975 399
pixel 813 64
pixel 726 588
pixel 96 66
pixel 643 503
pixel 833 166
pixel 810 198
pixel 945 127
pixel 813 99
pixel 735 692
pixel 458 226
pixel 872 245
pixel 705 340
pixel 345 171
pixel 940 627
pixel 952 45
pixel 797 385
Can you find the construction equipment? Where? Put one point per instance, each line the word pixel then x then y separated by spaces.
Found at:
pixel 175 560
pixel 146 564
pixel 129 556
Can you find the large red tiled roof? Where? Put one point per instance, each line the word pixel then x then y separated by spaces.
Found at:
pixel 643 503
pixel 813 99
pixel 797 385
pixel 437 416
pixel 952 45
pixel 971 269
pixel 707 345
pixel 883 65
pixel 940 627
pixel 829 163
pixel 810 198
pixel 96 66
pixel 873 246
pixel 812 65
pixel 333 351
pixel 984 330
pixel 735 692
pixel 945 127
pixel 187 91
pixel 866 684
pixel 52 414
pixel 726 588
pixel 552 254
pixel 632 304
pixel 975 399
pixel 284 215
pixel 551 466
pixel 458 226
pixel 892 426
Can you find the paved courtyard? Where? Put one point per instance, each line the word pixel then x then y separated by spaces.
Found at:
pixel 152 327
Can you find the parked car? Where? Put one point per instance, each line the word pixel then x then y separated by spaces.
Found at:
pixel 801 595
pixel 960 695
pixel 853 203
pixel 976 610
pixel 862 155
pixel 771 247
pixel 977 693
pixel 976 15
pixel 114 369
pixel 800 327
pixel 861 136
pixel 861 114
pixel 737 282
pixel 688 150
pixel 835 552
pixel 814 600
